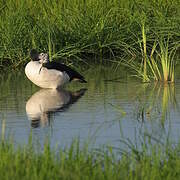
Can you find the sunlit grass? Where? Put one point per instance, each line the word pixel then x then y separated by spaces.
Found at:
pixel 91 31
pixel 159 64
pixel 152 160
pixel 145 77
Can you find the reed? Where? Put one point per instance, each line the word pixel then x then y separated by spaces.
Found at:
pixel 78 31
pixel 159 64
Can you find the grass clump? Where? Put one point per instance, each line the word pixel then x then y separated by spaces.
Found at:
pixel 79 163
pixel 159 64
pixel 75 30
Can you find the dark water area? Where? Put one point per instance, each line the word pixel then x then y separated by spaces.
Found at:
pixel 110 108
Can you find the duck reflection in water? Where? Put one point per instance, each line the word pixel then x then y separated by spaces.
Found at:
pixel 46 102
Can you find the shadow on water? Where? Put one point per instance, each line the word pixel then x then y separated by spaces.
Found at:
pixel 46 102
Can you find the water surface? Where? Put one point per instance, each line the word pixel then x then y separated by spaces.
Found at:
pixel 109 108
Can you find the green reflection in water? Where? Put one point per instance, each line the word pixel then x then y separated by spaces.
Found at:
pixel 113 87
pixel 156 101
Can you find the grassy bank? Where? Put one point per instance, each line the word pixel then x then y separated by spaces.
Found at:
pixel 76 163
pixel 79 30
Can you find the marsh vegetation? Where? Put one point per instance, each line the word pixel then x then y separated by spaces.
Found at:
pixel 108 41
pixel 154 160
pixel 98 31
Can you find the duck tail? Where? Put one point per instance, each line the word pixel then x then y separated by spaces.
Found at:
pixel 81 80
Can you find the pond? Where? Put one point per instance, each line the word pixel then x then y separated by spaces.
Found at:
pixel 111 107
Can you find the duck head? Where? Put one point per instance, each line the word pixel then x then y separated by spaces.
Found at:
pixel 42 57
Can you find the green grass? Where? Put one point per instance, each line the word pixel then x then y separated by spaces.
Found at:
pixel 79 31
pixel 151 162
pixel 159 64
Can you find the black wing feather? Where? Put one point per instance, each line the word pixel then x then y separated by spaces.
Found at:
pixel 63 68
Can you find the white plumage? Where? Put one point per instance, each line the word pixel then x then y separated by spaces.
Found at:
pixel 48 74
pixel 43 77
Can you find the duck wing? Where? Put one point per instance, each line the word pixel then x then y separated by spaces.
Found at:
pixel 63 68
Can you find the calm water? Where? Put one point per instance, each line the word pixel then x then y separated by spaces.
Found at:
pixel 101 112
